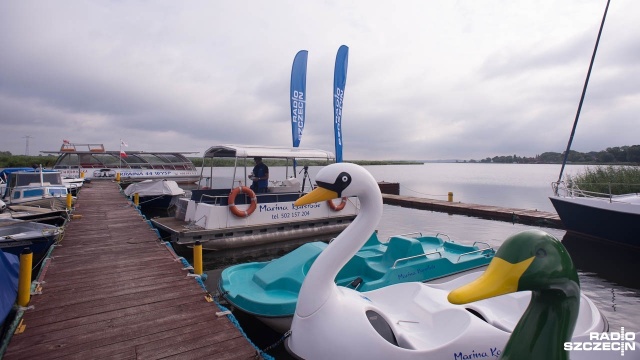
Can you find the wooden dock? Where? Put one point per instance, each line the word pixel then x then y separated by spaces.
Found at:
pixel 528 217
pixel 113 290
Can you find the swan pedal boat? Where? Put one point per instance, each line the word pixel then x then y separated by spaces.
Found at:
pixel 436 321
pixel 269 290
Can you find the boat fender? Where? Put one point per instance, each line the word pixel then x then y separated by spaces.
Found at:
pixel 232 198
pixel 338 207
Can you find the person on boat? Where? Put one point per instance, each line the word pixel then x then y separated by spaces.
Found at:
pixel 260 176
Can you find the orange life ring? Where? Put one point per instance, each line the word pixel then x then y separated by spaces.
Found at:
pixel 232 198
pixel 338 207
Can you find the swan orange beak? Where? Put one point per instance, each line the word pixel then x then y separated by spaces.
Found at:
pixel 501 277
pixel 317 195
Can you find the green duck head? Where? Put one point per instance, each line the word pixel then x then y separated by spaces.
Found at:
pixel 530 260
pixel 536 261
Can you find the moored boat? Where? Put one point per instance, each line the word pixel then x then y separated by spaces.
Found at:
pixel 269 290
pixel 609 217
pixel 16 235
pixel 92 161
pixel 234 216
pixel 34 187
pixel 155 194
pixel 56 217
pixel 9 272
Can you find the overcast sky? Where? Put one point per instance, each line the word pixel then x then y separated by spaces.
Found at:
pixel 433 79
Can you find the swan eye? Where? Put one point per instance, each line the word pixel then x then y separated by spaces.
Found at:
pixel 541 253
pixel 345 178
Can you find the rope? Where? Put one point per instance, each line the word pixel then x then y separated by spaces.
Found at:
pixel 286 335
pixel 421 193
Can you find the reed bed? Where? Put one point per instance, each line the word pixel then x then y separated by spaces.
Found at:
pixel 608 179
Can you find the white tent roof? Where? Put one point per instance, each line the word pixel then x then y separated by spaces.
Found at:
pixel 250 151
pixel 154 188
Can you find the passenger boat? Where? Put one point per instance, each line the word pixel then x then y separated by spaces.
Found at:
pixel 16 235
pixel 34 187
pixel 609 217
pixel 92 161
pixel 233 216
pixel 269 290
pixel 415 320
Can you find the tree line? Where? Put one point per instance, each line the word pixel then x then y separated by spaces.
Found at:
pixel 612 155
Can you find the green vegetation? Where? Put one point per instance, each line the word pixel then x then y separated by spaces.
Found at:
pixel 273 162
pixel 612 155
pixel 609 179
pixel 8 160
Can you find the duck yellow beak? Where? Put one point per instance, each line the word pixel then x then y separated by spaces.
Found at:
pixel 501 277
pixel 317 195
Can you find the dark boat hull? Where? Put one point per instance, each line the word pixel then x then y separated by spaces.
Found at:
pixel 598 221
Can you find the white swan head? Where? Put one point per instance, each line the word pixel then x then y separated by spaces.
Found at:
pixel 335 181
pixel 342 180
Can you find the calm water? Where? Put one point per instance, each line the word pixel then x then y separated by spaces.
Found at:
pixel 608 275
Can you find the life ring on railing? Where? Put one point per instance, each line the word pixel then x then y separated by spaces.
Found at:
pixel 338 207
pixel 232 198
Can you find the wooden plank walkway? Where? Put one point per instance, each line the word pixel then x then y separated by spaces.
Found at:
pixel 113 290
pixel 529 217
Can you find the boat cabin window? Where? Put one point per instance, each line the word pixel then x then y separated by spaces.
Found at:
pixel 58 192
pixel 28 193
pixel 67 161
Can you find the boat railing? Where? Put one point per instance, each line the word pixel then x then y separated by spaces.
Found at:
pixel 416 256
pixel 443 234
pixel 218 199
pixel 572 189
pixel 483 243
pixel 474 252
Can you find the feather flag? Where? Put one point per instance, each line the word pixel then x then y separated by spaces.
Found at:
pixel 297 92
pixel 339 82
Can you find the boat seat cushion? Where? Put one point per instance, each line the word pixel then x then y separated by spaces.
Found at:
pixel 398 247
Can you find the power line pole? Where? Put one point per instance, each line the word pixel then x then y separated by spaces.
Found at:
pixel 27 137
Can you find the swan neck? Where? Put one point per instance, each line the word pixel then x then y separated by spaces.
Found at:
pixel 319 284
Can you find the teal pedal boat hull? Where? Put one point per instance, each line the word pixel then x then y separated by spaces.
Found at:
pixel 269 290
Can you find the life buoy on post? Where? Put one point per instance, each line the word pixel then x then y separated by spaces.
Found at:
pixel 232 198
pixel 338 207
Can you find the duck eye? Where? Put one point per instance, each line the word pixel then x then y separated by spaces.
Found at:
pixel 541 253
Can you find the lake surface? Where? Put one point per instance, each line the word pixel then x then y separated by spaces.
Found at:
pixel 608 274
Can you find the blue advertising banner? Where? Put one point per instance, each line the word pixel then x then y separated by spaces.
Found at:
pixel 339 81
pixel 298 95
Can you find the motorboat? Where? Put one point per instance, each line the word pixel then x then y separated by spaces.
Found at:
pixel 34 187
pixel 155 194
pixel 614 218
pixel 231 215
pixel 269 290
pixel 49 216
pixel 16 235
pixel 93 161
pixel 411 320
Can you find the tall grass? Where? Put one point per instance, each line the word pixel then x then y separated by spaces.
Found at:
pixel 608 179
